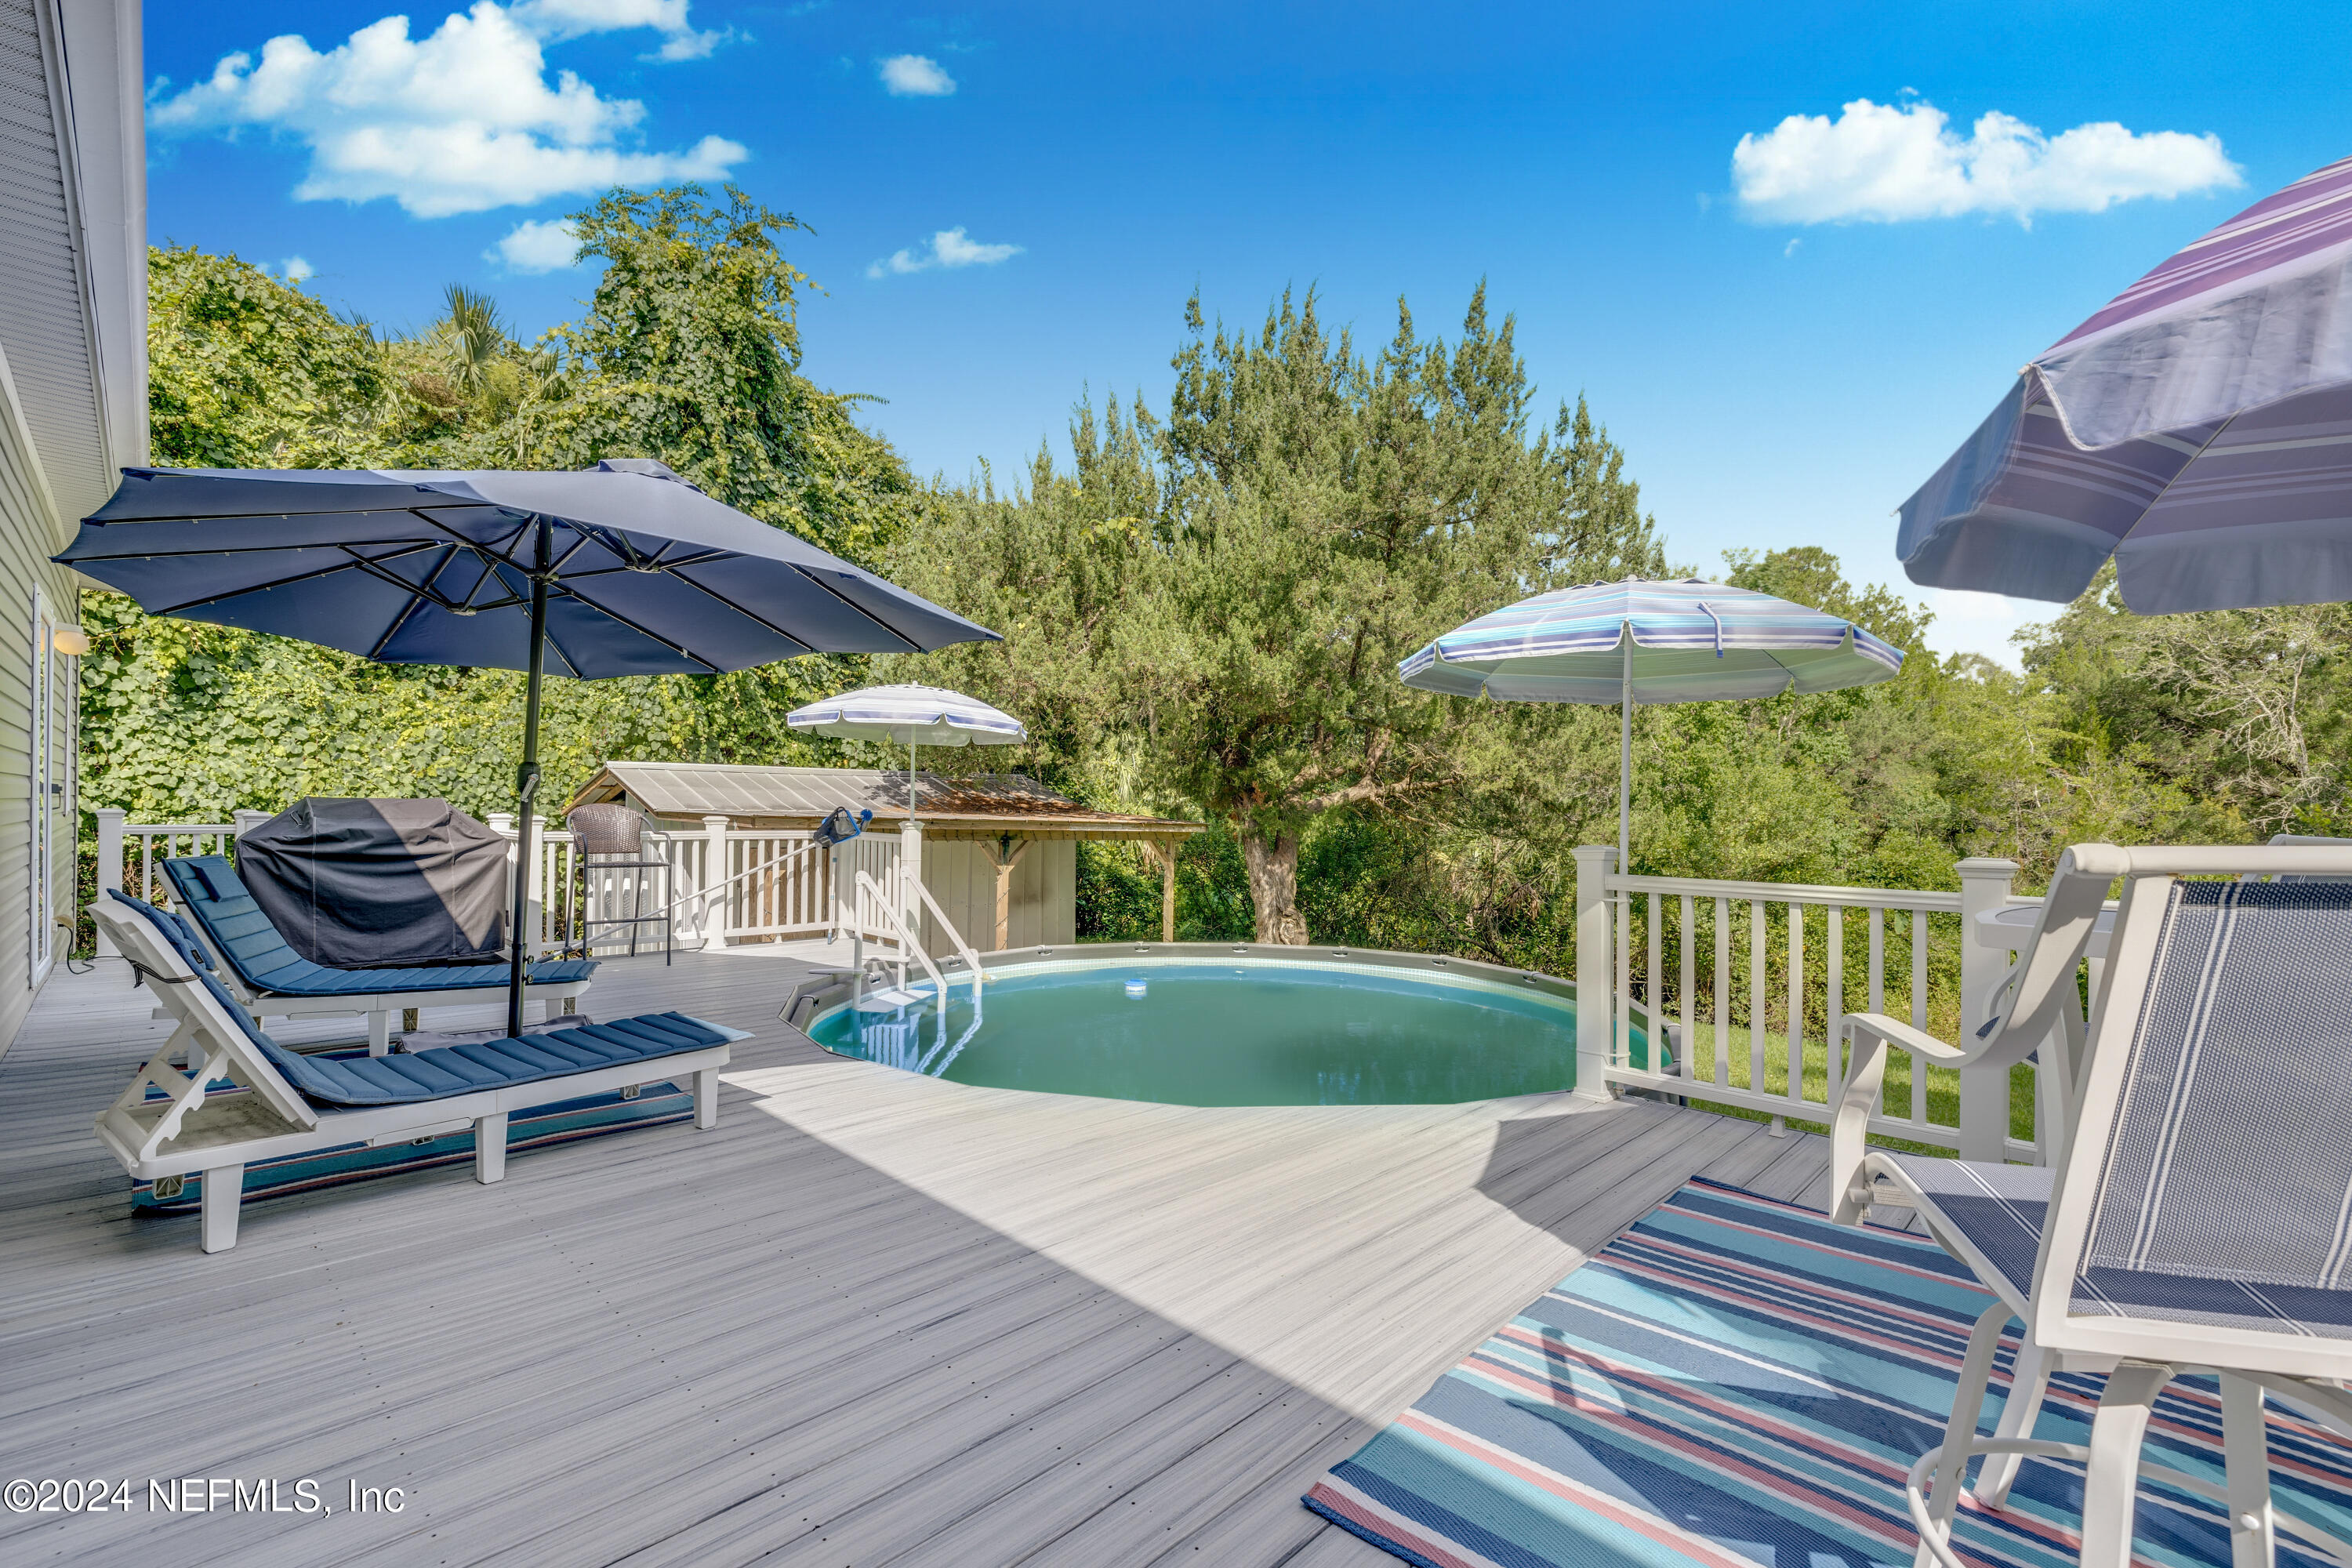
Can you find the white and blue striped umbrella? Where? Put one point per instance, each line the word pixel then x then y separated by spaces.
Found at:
pixel 1634 642
pixel 912 716
pixel 909 715
pixel 1689 642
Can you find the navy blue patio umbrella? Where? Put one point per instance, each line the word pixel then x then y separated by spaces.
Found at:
pixel 621 569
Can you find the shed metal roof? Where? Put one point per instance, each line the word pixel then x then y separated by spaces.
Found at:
pixel 986 804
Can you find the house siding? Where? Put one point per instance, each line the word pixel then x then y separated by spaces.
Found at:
pixel 72 407
pixel 26 541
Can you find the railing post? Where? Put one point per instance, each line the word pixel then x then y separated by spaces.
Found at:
pixel 247 820
pixel 910 870
pixel 716 888
pixel 1595 971
pixel 1984 1091
pixel 502 824
pixel 534 886
pixel 109 870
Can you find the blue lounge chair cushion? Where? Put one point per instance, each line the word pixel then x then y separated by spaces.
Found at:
pixel 208 887
pixel 447 1071
pixel 444 1070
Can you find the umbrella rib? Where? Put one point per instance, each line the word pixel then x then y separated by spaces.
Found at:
pixel 369 566
pixel 801 643
pixel 424 591
pixel 555 642
pixel 642 630
pixel 361 561
pixel 580 537
pixel 148 552
pixel 288 515
pixel 616 541
pixel 844 599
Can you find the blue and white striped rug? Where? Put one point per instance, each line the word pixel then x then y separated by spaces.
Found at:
pixel 1737 1382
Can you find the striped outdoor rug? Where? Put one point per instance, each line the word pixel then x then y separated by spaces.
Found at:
pixel 1736 1381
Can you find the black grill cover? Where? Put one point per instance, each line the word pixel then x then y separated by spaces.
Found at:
pixel 380 884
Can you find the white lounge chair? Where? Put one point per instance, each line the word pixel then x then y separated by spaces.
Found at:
pixel 294 1104
pixel 2198 1215
pixel 270 980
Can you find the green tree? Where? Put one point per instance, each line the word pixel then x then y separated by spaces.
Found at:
pixel 1227 590
pixel 245 372
pixel 690 351
pixel 185 721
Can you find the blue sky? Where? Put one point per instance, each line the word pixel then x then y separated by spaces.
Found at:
pixel 1011 204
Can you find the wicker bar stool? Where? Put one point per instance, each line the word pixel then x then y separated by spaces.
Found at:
pixel 612 844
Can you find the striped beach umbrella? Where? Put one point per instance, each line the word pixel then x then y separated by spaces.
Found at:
pixel 2198 429
pixel 1634 642
pixel 911 716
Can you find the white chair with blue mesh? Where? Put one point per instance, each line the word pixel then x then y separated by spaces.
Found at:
pixel 2197 1215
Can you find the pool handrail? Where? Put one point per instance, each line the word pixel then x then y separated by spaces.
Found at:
pixel 963 949
pixel 907 942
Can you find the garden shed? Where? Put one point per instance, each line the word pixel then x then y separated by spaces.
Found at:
pixel 999 851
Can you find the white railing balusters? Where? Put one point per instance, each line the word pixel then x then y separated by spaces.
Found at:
pixel 755 887
pixel 1796 1040
pixel 1787 975
pixel 1656 1010
pixel 1723 993
pixel 1835 958
pixel 1758 995
pixel 1918 1011
pixel 1622 1052
pixel 1683 993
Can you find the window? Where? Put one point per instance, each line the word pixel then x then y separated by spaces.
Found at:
pixel 48 748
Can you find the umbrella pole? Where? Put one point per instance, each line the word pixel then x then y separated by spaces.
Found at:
pixel 1624 911
pixel 906 904
pixel 1625 765
pixel 527 784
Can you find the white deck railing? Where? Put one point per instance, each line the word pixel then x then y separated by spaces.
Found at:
pixel 760 891
pixel 1751 982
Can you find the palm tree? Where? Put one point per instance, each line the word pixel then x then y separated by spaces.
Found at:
pixel 472 337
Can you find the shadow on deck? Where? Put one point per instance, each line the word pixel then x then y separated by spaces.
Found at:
pixel 871 1318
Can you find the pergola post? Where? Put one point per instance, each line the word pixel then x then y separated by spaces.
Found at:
pixel 1164 851
pixel 1004 855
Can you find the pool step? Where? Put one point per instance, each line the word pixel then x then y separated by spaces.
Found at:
pixel 891 1000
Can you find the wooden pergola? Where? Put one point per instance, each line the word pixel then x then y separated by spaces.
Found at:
pixel 1001 814
pixel 1005 813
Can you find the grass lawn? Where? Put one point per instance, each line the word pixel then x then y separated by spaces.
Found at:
pixel 1943 1085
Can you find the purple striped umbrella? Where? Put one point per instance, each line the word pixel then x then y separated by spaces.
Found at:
pixel 2198 429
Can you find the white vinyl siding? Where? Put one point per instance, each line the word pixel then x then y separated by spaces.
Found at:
pixel 26 574
pixel 72 406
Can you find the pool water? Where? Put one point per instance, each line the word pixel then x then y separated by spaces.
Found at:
pixel 1257 1033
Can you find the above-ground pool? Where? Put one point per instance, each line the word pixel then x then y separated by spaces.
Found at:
pixel 1246 1030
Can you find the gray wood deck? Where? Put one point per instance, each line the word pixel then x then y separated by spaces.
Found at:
pixel 870 1319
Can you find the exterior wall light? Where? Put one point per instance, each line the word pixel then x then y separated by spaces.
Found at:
pixel 72 641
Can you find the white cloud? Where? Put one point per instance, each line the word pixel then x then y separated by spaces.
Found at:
pixel 948 248
pixel 295 269
pixel 1887 163
pixel 916 75
pixel 537 246
pixel 461 121
pixel 1791 248
pixel 555 20
pixel 1970 622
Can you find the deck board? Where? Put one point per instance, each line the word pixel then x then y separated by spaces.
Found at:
pixel 869 1318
